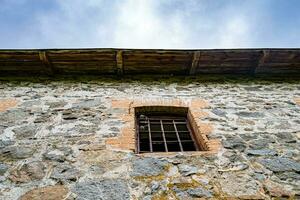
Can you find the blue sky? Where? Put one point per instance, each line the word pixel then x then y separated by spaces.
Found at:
pixel 149 23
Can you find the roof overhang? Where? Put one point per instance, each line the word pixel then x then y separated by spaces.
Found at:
pixel 149 61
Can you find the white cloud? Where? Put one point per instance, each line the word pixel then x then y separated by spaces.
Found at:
pixel 144 24
pixel 235 33
pixel 139 25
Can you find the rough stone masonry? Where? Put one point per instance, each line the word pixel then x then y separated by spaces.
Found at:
pixel 53 133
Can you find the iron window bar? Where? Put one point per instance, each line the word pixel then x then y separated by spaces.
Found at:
pixel 164 134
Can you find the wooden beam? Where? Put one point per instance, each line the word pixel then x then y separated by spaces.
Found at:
pixel 195 62
pixel 263 58
pixel 119 61
pixel 46 63
pixel 260 61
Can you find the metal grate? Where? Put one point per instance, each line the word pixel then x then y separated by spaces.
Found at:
pixel 164 134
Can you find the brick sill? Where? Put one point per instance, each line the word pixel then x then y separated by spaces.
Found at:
pixel 172 154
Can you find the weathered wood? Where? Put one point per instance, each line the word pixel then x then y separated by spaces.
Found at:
pixel 119 60
pixel 264 58
pixel 195 62
pixel 151 61
pixel 46 63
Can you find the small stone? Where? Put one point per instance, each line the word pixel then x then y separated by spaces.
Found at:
pixel 187 170
pixel 234 143
pixel 154 186
pixel 199 192
pixel 289 176
pixel 65 172
pixel 46 193
pixel 6 143
pixel 112 189
pixel 28 172
pixel 280 164
pixel 181 179
pixel 200 179
pixel 276 190
pixel 27 131
pixel 3 168
pixel 173 170
pixel 88 103
pixel 240 186
pixel 253 88
pixel 259 144
pixel 250 114
pixel 286 137
pixel 69 116
pixel 148 167
pixel 56 104
pixel 261 152
pixel 17 152
pixel 31 103
pixel 55 155
pixel 2 178
pixel 219 112
pixel 235 167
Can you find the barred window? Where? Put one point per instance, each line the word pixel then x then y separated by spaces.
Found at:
pixel 164 132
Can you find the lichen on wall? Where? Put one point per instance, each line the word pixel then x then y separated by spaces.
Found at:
pixel 52 141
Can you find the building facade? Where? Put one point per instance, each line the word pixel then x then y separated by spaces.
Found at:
pixel 78 137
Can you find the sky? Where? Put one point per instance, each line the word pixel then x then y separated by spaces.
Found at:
pixel 171 24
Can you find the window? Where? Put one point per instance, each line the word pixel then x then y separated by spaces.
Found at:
pixel 164 131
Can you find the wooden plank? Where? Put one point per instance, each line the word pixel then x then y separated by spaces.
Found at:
pixel 152 61
pixel 195 62
pixel 46 63
pixel 119 61
pixel 264 58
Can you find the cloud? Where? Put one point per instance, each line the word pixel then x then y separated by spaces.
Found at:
pixel 141 24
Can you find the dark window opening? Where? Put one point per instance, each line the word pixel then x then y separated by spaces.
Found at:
pixel 164 132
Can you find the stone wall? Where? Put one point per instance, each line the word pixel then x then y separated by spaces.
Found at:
pixel 53 141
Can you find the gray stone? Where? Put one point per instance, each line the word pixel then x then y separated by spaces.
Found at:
pixel 13 116
pixel 24 132
pixel 31 103
pixel 219 112
pixel 17 152
pixel 280 164
pixel 240 186
pixel 3 168
pixel 42 118
pixel 108 189
pixel 154 186
pixel 148 197
pixel 88 103
pixel 69 115
pixel 59 154
pixel 65 173
pixel 6 143
pixel 55 155
pixel 250 114
pixel 148 167
pixel 286 137
pixel 261 152
pixel 253 88
pixel 259 144
pixel 28 172
pixel 2 178
pixel 289 175
pixel 199 192
pixel 233 142
pixel 56 104
pixel 187 170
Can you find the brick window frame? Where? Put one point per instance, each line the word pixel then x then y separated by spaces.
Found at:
pixel 127 138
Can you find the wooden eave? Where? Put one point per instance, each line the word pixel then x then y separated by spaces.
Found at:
pixel 149 61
